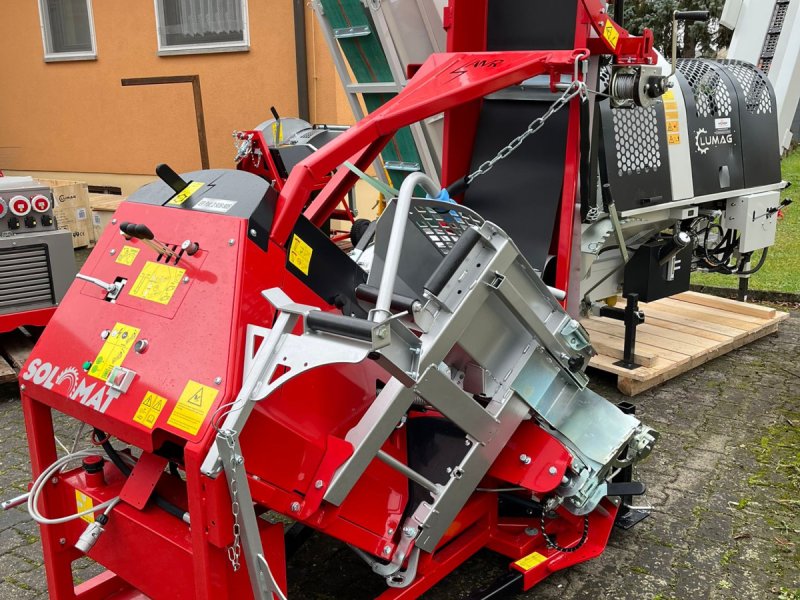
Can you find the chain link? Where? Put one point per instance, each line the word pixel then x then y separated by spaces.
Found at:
pixel 576 88
pixel 235 549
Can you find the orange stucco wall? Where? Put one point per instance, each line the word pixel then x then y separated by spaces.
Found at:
pixel 76 116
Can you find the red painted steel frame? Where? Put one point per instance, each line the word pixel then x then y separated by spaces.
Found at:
pixel 32 318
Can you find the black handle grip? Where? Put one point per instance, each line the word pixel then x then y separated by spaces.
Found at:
pixel 171 178
pixel 351 327
pixel 605 191
pixel 692 15
pixel 452 261
pixel 399 302
pixel 275 114
pixel 134 230
pixel 458 187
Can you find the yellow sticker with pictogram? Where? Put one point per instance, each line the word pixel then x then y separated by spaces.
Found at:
pixel 192 407
pixel 116 347
pixel 532 560
pixel 611 34
pixel 149 410
pixel 673 126
pixel 673 139
pixel 127 255
pixel 157 282
pixel 83 502
pixel 300 254
pixel 185 193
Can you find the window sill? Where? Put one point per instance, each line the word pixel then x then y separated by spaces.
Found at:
pixel 209 49
pixel 69 56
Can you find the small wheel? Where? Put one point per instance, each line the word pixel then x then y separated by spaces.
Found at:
pixel 358 230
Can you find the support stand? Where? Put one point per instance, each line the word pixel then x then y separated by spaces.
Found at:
pixel 632 317
pixel 628 516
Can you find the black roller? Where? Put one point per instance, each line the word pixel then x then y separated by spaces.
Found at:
pixel 692 15
pixel 368 293
pixel 351 327
pixel 452 261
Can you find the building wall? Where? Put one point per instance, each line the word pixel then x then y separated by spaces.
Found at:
pixel 76 119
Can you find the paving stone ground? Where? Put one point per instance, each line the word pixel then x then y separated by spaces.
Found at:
pixel 724 481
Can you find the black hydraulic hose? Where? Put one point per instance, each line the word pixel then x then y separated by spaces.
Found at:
pixel 758 266
pixel 115 458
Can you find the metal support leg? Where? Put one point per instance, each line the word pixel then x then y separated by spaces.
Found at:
pixel 632 317
pixel 628 515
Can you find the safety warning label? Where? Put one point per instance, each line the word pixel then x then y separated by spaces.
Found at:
pixel 150 409
pixel 186 192
pixel 114 350
pixel 157 282
pixel 83 502
pixel 611 34
pixel 127 255
pixel 530 561
pixel 300 254
pixel 192 407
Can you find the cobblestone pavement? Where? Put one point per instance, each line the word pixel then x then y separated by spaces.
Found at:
pixel 724 481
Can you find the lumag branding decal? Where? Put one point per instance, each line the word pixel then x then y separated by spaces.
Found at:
pixel 48 376
pixel 704 140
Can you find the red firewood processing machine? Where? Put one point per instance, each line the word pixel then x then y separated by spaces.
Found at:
pixel 229 362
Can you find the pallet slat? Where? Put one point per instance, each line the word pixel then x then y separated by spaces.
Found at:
pixel 679 334
pixel 7 374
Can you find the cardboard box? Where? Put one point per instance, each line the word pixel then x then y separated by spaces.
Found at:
pixel 103 208
pixel 72 210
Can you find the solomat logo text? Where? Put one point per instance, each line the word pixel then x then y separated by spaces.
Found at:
pixel 49 376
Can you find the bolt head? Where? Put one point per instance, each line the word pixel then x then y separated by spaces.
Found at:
pixel 217 380
pixel 531 531
pixel 387 550
pixel 409 531
pixel 295 507
pixel 552 470
pixel 22 387
pixel 185 280
pixel 525 459
pixel 112 252
pixel 113 221
pixel 390 531
pixel 318 484
pixel 231 242
pixel 253 233
pixel 240 460
pixel 105 333
pixel 54 480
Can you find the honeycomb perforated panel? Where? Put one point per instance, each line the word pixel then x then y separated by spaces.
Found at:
pixel 636 140
pixel 754 85
pixel 711 94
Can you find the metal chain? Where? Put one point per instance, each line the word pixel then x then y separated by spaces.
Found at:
pixel 235 549
pixel 576 88
pixel 551 543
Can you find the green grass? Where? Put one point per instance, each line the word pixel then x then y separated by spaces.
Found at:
pixel 781 272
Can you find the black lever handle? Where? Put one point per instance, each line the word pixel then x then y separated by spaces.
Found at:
pixel 171 178
pixel 692 15
pixel 134 230
pixel 275 114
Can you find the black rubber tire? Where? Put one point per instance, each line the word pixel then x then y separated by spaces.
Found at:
pixel 358 230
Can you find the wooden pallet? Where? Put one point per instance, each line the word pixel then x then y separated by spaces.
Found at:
pixel 679 334
pixel 15 347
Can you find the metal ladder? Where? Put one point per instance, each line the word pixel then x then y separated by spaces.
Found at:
pixel 372 64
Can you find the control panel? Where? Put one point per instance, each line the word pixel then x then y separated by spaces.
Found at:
pixel 26 209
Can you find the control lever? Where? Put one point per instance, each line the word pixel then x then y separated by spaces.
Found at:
pixel 112 289
pixel 143 232
pixel 683 15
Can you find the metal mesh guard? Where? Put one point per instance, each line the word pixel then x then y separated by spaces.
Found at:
pixel 442 222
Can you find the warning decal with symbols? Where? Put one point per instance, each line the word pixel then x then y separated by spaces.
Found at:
pixel 300 254
pixel 114 350
pixel 157 282
pixel 673 118
pixel 611 34
pixel 83 502
pixel 127 255
pixel 532 560
pixel 150 409
pixel 192 407
pixel 186 193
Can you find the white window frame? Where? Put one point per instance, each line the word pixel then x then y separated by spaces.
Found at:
pixel 65 56
pixel 243 46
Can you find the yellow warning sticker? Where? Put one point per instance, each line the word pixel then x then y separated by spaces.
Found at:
pixel 300 254
pixel 672 114
pixel 192 407
pixel 186 193
pixel 669 95
pixel 673 138
pixel 114 350
pixel 532 560
pixel 673 126
pixel 611 34
pixel 127 255
pixel 149 410
pixel 157 282
pixel 83 502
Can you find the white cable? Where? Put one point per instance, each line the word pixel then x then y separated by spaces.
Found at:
pixel 44 478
